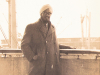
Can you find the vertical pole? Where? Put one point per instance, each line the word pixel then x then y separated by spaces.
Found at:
pixel 89 31
pixel 13 25
pixel 82 18
pixel 9 18
pixel 86 22
pixel 86 29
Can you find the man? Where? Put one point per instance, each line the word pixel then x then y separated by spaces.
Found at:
pixel 39 45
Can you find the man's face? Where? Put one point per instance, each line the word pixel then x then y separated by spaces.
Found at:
pixel 46 15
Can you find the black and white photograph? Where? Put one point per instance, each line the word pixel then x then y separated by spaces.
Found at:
pixel 49 37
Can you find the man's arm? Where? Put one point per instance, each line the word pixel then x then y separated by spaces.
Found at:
pixel 25 44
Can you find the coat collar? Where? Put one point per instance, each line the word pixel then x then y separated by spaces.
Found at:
pixel 43 31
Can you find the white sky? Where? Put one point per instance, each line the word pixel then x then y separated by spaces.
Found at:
pixel 66 16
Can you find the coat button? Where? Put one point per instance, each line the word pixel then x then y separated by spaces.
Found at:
pixel 47 52
pixel 56 53
pixel 52 66
pixel 46 41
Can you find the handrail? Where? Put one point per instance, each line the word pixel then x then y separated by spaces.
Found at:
pixel 10 51
pixel 67 51
pixel 79 51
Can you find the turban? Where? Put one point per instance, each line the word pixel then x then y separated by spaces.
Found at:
pixel 46 7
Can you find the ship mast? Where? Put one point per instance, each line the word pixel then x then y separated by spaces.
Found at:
pixel 12 24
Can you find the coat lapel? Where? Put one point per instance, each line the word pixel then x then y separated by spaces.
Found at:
pixel 51 30
pixel 43 30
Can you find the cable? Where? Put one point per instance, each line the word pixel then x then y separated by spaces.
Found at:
pixel 11 34
pixel 64 29
pixel 5 18
pixel 4 35
pixel 58 22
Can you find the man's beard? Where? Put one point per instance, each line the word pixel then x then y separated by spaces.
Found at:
pixel 46 20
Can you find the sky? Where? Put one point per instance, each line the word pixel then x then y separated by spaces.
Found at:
pixel 66 16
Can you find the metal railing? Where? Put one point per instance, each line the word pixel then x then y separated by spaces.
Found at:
pixel 67 51
pixel 10 51
pixel 79 51
pixel 63 52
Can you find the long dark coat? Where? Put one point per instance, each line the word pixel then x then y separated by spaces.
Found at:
pixel 36 42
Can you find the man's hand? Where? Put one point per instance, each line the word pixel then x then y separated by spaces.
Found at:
pixel 35 57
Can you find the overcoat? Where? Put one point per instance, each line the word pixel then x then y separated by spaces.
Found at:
pixel 36 42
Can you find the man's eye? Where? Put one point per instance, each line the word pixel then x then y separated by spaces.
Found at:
pixel 49 13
